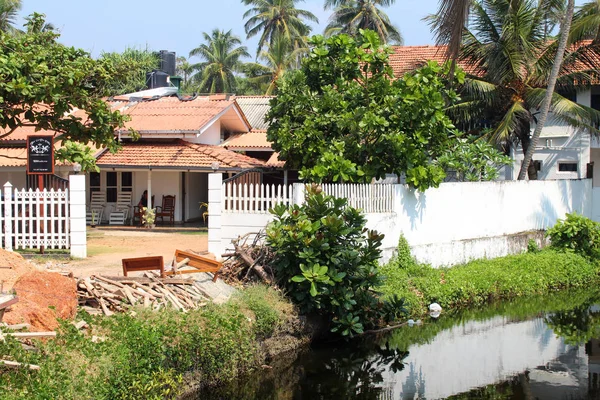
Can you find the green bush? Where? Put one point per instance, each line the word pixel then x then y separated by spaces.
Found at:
pixel 327 261
pixel 144 355
pixel 480 281
pixel 576 233
pixel 532 246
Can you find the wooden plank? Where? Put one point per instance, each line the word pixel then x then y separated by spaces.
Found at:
pixel 29 335
pixel 14 364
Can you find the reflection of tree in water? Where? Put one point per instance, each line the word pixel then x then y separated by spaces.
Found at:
pixel 355 373
pixel 414 386
pixel 576 326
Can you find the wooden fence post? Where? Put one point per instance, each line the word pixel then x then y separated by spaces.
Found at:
pixel 7 204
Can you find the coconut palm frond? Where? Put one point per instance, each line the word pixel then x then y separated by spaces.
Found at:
pixel 448 27
pixel 505 129
pixel 566 110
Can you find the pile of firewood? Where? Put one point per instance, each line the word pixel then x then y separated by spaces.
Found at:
pixel 105 295
pixel 250 260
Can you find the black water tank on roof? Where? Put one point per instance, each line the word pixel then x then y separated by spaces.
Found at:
pixel 157 79
pixel 167 61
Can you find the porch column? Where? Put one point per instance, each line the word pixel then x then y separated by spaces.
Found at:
pixel 215 185
pixel 77 216
pixel 285 177
pixel 149 185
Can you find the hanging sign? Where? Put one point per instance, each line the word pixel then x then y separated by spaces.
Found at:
pixel 40 154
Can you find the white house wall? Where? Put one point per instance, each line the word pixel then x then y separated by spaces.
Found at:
pixel 197 191
pixel 212 135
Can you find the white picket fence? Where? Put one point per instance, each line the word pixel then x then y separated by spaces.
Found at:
pixel 376 198
pixel 259 198
pixel 32 219
pixel 254 198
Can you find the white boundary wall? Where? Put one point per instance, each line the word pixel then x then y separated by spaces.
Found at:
pixel 451 224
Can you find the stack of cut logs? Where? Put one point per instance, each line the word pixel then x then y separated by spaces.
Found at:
pixel 105 295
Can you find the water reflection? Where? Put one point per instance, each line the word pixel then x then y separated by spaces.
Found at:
pixel 544 348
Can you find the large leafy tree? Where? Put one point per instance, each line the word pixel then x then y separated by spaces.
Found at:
pixel 343 117
pixel 274 18
pixel 349 16
pixel 131 67
pixel 222 55
pixel 46 85
pixel 511 58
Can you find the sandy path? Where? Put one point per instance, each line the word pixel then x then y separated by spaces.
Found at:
pixel 107 248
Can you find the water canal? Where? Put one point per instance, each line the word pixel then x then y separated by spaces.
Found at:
pixel 539 348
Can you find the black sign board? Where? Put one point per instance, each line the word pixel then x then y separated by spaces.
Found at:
pixel 40 154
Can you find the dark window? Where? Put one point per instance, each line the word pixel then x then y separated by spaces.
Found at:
pixel 126 179
pixel 538 165
pixel 567 167
pixel 111 187
pixel 568 94
pixel 95 180
pixel 595 103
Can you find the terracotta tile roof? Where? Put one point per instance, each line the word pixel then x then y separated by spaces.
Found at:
pixel 274 161
pixel 409 58
pixel 13 157
pixel 172 114
pixel 255 108
pixel 256 139
pixel 177 154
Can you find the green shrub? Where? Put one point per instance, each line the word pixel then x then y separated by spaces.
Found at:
pixel 327 261
pixel 480 281
pixel 144 354
pixel 532 246
pixel 576 233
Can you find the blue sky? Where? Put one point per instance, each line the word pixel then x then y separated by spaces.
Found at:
pixel 111 25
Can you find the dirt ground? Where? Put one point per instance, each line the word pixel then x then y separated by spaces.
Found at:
pixel 106 248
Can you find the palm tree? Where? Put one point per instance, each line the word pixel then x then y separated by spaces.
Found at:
pixel 586 23
pixel 278 58
pixel 221 53
pixel 506 44
pixel 351 15
pixel 271 18
pixel 8 15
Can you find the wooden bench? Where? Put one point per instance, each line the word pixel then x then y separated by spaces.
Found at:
pixel 199 263
pixel 144 264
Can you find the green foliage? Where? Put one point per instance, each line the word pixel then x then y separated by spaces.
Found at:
pixel 344 117
pixel 327 262
pixel 42 83
pixel 144 354
pixel 480 281
pixel 473 161
pixel 576 233
pixel 131 67
pixel 532 246
pixel 148 216
pixel 78 153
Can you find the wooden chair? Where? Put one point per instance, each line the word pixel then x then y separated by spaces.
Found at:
pixel 199 263
pixel 167 209
pixel 137 213
pixel 121 212
pixel 95 209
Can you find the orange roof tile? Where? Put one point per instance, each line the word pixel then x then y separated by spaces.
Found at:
pixel 256 139
pixel 177 154
pixel 172 114
pixel 13 157
pixel 408 58
pixel 274 161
